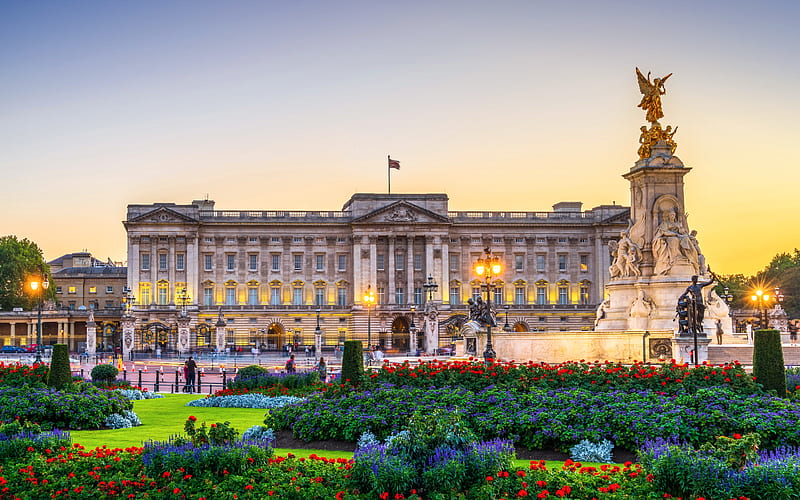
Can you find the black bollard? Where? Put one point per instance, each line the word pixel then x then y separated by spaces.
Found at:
pixel 155 389
pixel 140 378
pixel 224 379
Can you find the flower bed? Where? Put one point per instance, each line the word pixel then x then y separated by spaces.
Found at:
pixel 476 375
pixel 16 374
pixel 79 406
pixel 252 400
pixel 542 419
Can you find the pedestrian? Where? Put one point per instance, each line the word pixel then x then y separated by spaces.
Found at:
pixel 719 332
pixel 308 352
pixel 792 333
pixel 191 369
pixel 290 367
pixel 186 376
pixel 749 330
pixel 322 368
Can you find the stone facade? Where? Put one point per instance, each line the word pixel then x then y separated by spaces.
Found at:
pixel 272 272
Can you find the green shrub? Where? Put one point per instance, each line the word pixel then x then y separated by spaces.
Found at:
pixel 60 373
pixel 353 362
pixel 104 373
pixel 250 372
pixel 768 367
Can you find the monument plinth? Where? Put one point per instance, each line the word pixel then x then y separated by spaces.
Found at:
pixel 659 276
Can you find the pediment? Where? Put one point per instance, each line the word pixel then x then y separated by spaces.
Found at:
pixel 162 215
pixel 620 218
pixel 402 212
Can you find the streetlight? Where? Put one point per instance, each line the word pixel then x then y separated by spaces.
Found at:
pixel 727 296
pixel 506 327
pixel 183 299
pixel 412 333
pixel 430 287
pixel 369 300
pixel 35 285
pixel 760 299
pixel 489 267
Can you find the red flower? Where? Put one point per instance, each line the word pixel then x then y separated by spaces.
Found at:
pixel 192 418
pixel 249 487
pixel 489 478
pixel 737 436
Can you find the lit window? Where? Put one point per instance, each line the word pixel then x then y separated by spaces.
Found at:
pixel 584 263
pixel 163 293
pixel 584 294
pixel 72 289
pixel 498 295
pixel 92 289
pixel 145 296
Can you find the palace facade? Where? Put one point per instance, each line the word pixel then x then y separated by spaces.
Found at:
pixel 276 276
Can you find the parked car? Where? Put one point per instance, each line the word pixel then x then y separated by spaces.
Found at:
pixel 29 348
pixel 12 348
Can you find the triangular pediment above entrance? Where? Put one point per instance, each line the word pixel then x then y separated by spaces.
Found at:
pixel 162 215
pixel 401 212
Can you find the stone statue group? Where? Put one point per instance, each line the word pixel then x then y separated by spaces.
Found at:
pixel 672 244
pixel 691 309
pixel 481 312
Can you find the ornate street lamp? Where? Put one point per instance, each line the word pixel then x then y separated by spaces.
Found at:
pixel 412 333
pixel 430 287
pixel 369 300
pixel 183 300
pixel 506 327
pixel 488 267
pixel 318 336
pixel 727 296
pixel 760 299
pixel 41 287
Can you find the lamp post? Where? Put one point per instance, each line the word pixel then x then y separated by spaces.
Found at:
pixel 760 299
pixel 318 335
pixel 41 287
pixel 369 300
pixel 430 287
pixel 506 327
pixel 727 296
pixel 183 299
pixel 412 333
pixel 488 266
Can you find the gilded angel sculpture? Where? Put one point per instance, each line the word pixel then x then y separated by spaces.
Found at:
pixel 651 95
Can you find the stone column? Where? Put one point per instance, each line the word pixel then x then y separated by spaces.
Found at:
pixel 358 278
pixel 91 334
pixel 13 333
pixel 128 322
pixel 221 332
pixel 444 262
pixel 391 271
pixel 431 325
pixel 410 269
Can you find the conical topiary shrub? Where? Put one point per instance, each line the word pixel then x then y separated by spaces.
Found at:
pixel 768 365
pixel 59 375
pixel 353 362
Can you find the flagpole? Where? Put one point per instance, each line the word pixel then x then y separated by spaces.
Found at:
pixel 389 171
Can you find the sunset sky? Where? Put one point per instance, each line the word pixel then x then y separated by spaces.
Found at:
pixel 505 105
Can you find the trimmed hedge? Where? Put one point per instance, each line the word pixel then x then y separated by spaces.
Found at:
pixel 104 373
pixel 60 374
pixel 353 362
pixel 768 367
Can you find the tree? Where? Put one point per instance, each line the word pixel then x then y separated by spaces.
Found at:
pixel 20 261
pixel 784 271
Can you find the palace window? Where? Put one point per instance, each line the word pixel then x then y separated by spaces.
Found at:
pixel 454 262
pixel 341 296
pixel 519 261
pixel 208 261
pixel 320 262
pixel 162 262
pixel 230 295
pixel 341 262
pixel 163 293
pixel 252 295
pixel 418 262
pixel 145 291
pixel 275 296
pixel 399 295
pixel 319 296
pixel 399 261
pixel 231 262
pixel 562 263
pixel 208 296
pixel 584 263
pixel 498 295
pixel 418 296
pixel 541 293
pixel 455 295
pixel 145 258
pixel 297 296
pixel 92 289
pixel 253 261
pixel 180 261
pixel 276 262
pixel 298 262
pixel 540 263
pixel 563 293
pixel 380 263
pixel 381 295
pixel 519 295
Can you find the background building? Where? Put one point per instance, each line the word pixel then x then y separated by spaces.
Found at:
pixel 269 272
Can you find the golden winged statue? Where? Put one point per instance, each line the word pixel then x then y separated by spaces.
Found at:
pixel 651 95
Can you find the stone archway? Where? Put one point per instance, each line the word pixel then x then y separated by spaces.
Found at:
pixel 276 336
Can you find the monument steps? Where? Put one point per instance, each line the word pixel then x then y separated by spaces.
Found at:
pixel 743 353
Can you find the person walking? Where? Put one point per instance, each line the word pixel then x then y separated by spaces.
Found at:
pixel 191 370
pixel 290 366
pixel 185 376
pixel 322 368
pixel 792 333
pixel 719 332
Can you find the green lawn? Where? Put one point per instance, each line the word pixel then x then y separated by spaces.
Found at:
pixel 164 417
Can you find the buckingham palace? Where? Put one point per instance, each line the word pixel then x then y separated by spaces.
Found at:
pixel 268 278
